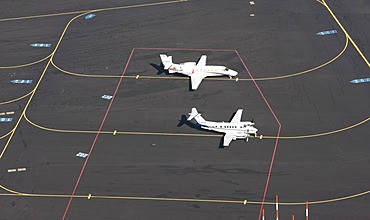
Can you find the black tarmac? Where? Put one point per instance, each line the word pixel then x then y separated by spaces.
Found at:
pixel 147 162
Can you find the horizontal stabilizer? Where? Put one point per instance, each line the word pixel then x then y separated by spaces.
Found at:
pixel 166 61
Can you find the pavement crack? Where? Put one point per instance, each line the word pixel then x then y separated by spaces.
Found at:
pixel 312 103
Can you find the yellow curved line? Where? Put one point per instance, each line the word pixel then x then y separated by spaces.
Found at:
pixel 220 79
pixel 319 1
pixel 16 99
pixel 80 74
pixel 89 11
pixel 61 130
pixel 24 65
pixel 315 202
pixel 309 70
pixel 37 84
pixel 320 134
pixel 15 193
pixel 339 199
pixel 346 33
pixel 5 135
pixel 9 190
pixel 191 135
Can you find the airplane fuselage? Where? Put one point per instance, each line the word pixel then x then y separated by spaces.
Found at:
pixel 235 129
pixel 242 130
pixel 197 71
pixel 190 68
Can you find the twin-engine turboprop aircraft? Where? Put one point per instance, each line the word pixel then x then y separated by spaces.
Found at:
pixel 196 70
pixel 235 129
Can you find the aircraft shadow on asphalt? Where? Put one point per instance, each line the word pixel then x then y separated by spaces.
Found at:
pixel 160 69
pixel 183 120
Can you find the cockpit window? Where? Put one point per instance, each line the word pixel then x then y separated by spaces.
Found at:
pixel 226 69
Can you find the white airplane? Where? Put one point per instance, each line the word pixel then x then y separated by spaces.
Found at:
pixel 235 129
pixel 196 70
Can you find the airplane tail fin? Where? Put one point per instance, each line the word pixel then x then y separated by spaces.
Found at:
pixel 192 114
pixel 166 61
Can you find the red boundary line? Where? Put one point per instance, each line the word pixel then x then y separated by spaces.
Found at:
pixel 187 49
pixel 264 98
pixel 96 136
pixel 277 136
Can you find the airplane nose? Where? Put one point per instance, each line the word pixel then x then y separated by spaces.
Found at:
pixel 234 73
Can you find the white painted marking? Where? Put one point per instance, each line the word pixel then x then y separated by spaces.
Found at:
pixel 108 97
pixel 82 155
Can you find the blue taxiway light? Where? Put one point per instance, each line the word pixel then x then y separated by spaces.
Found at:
pixel 21 81
pixel 82 155
pixel 364 80
pixel 6 119
pixel 329 32
pixel 90 16
pixel 40 45
pixel 107 97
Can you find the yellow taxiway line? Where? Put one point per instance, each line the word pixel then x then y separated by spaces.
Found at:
pixel 241 202
pixel 345 32
pixel 118 132
pixel 16 99
pixel 7 134
pixel 319 1
pixel 56 48
pixel 90 10
pixel 14 193
pixel 219 79
pixel 26 64
pixel 36 87
pixel 192 135
pixel 323 133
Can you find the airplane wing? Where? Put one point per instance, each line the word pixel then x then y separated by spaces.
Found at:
pixel 237 117
pixel 196 79
pixel 228 138
pixel 202 61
